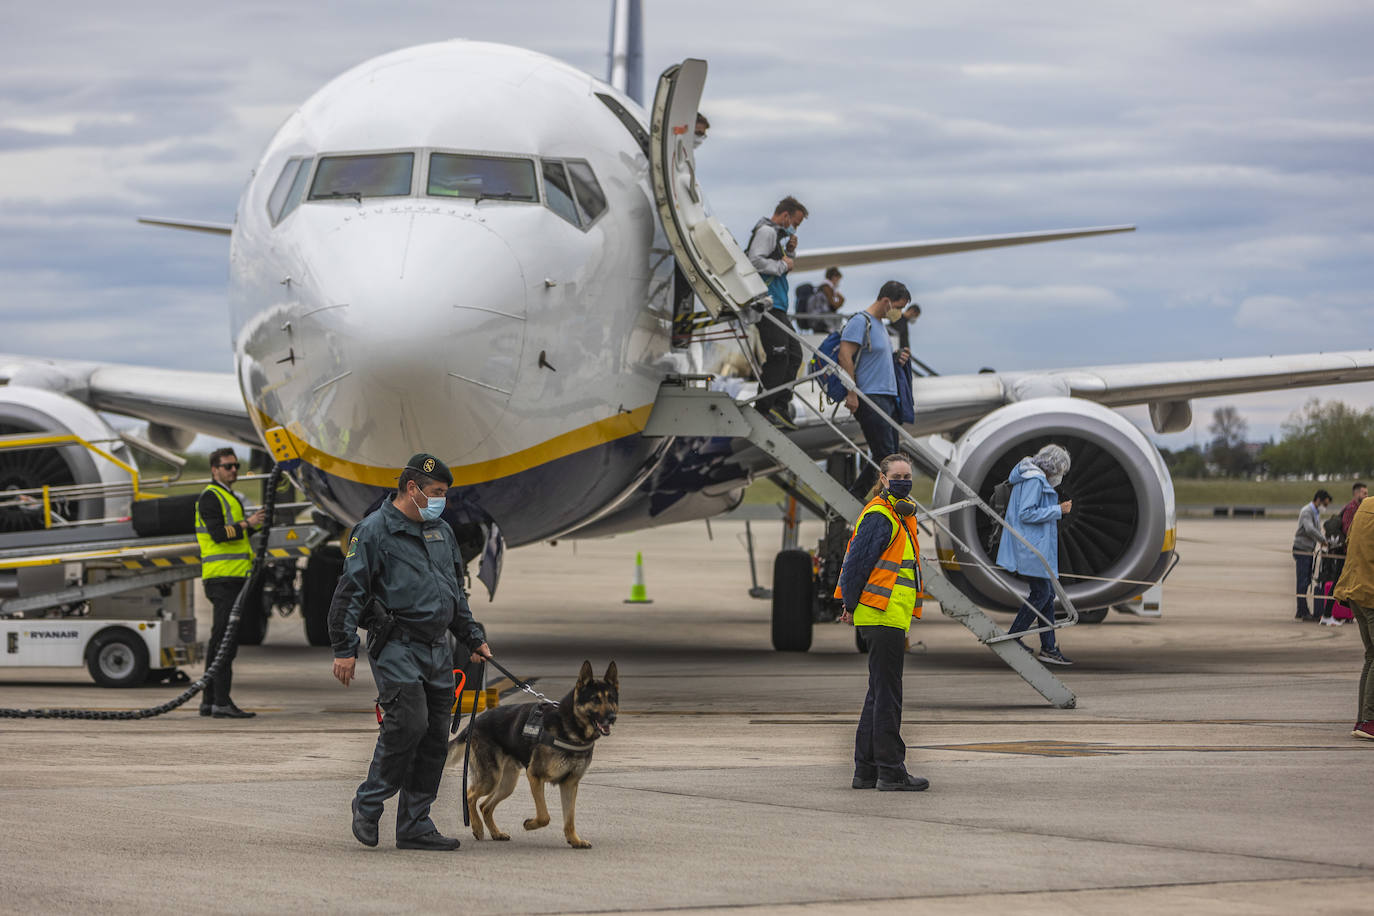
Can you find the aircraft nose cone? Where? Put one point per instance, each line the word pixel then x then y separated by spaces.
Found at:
pixel 433 328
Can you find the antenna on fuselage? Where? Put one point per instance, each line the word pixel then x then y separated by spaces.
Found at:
pixel 625 65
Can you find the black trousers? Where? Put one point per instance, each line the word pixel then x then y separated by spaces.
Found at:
pixel 222 591
pixel 415 690
pixel 881 438
pixel 878 747
pixel 782 361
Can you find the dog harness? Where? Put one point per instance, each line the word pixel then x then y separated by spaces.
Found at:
pixel 535 731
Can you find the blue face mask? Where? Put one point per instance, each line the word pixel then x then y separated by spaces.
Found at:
pixel 900 489
pixel 433 508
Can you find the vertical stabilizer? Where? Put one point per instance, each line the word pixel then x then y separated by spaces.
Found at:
pixel 625 67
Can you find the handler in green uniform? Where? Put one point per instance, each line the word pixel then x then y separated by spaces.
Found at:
pixel 406 558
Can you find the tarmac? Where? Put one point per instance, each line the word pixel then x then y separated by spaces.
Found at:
pixel 1208 767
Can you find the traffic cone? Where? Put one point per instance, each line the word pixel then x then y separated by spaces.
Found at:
pixel 638 593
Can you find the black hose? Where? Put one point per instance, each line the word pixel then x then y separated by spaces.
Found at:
pixel 230 632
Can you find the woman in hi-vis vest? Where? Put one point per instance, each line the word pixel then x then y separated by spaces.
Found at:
pixel 880 585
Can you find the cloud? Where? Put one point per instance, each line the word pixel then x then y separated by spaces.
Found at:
pixel 1237 136
pixel 1023 304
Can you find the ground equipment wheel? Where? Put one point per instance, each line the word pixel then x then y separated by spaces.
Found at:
pixel 793 601
pixel 1096 615
pixel 321 576
pixel 859 642
pixel 117 658
pixel 252 625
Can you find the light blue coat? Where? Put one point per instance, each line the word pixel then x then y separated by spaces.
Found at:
pixel 1032 510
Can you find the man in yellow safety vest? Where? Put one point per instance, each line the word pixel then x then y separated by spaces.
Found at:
pixel 226 556
pixel 880 585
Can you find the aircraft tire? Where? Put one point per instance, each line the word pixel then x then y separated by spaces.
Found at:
pixel 793 600
pixel 1096 615
pixel 321 575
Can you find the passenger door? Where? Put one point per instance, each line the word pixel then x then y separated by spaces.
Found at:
pixel 710 258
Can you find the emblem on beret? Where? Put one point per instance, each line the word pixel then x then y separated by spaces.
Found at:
pixel 429 465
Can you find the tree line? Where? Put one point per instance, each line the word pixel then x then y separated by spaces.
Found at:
pixel 1331 439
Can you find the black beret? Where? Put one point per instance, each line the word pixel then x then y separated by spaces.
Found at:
pixel 430 466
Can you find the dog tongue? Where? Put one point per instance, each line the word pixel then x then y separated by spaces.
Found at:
pixel 604 729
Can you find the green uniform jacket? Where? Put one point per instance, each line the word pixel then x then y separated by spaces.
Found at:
pixel 414 569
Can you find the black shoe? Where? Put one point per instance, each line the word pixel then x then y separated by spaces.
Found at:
pixel 862 782
pixel 231 712
pixel 910 784
pixel 781 420
pixel 206 709
pixel 432 840
pixel 364 829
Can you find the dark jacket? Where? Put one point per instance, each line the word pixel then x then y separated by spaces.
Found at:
pixel 870 540
pixel 414 570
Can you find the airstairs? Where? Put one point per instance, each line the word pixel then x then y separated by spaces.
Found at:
pixel 711 263
pixel 686 406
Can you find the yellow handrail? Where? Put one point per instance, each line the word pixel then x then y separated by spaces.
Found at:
pixel 21 441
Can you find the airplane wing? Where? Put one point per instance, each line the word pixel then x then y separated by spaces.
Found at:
pixel 203 402
pixel 950 403
pixel 192 225
pixel 854 255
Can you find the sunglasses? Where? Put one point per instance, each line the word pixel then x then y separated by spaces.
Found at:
pixel 229 467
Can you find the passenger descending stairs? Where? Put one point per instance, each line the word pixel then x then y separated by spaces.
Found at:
pixel 683 410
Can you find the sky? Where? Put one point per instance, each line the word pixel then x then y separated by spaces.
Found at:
pixel 1238 137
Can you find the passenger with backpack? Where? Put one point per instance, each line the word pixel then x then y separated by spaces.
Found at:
pixel 770 250
pixel 864 352
pixel 1034 510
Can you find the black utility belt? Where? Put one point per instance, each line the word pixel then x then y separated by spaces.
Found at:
pixel 419 639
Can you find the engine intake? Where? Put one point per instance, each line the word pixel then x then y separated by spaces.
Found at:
pixel 1123 518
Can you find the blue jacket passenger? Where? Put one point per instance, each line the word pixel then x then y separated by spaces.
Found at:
pixel 1034 511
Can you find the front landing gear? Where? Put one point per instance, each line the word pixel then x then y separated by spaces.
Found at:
pixel 794 604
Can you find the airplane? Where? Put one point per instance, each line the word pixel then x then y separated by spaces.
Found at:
pixel 493 275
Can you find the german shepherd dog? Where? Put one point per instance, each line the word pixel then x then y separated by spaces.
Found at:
pixel 500 751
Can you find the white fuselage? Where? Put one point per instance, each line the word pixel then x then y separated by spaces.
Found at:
pixel 522 349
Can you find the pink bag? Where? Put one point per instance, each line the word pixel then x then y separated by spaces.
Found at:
pixel 1338 611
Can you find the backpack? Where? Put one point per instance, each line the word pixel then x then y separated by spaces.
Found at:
pixel 834 389
pixel 1001 498
pixel 804 294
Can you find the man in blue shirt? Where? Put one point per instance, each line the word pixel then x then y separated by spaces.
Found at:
pixel 866 354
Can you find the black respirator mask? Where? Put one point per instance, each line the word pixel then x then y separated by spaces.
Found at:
pixel 899 494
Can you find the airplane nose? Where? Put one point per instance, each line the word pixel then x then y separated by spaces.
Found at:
pixel 433 329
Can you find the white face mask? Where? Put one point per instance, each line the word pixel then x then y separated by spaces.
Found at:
pixel 697 140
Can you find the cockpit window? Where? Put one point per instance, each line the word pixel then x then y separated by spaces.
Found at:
pixel 482 177
pixel 295 192
pixel 374 175
pixel 558 192
pixel 276 201
pixel 589 194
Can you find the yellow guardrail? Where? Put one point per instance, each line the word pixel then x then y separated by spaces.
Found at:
pixel 21 441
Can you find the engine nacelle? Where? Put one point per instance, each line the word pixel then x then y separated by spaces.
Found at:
pixel 35 410
pixel 1123 521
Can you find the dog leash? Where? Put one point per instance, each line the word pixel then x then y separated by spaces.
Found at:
pixel 523 685
pixel 478 681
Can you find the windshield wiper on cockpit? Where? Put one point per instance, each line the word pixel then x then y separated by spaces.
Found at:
pixel 499 195
pixel 337 195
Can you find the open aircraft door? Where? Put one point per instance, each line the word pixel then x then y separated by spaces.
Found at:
pixel 706 252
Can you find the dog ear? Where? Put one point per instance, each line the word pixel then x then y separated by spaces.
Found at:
pixel 612 676
pixel 584 677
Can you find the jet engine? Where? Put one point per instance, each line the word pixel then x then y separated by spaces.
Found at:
pixel 1122 525
pixel 30 411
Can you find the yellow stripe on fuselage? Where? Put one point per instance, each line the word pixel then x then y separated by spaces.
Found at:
pixel 619 426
